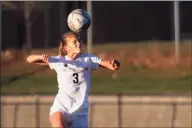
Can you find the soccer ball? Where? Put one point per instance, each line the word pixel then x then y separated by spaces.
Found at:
pixel 78 20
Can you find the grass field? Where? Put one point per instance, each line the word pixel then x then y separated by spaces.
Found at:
pixel 145 68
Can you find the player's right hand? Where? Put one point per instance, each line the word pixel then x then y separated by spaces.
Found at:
pixel 44 57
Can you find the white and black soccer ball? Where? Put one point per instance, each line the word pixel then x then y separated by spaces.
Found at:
pixel 78 20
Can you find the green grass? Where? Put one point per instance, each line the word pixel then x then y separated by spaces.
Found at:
pixel 129 79
pixel 34 84
pixel 152 82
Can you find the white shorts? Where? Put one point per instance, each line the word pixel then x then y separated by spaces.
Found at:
pixel 78 119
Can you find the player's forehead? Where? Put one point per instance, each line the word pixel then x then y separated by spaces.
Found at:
pixel 72 38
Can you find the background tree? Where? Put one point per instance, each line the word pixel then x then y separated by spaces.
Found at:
pixel 30 11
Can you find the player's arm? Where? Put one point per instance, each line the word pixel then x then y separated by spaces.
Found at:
pixel 112 65
pixel 38 59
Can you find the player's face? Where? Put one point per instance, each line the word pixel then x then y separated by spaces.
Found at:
pixel 74 44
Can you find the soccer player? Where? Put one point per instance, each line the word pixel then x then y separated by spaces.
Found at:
pixel 70 106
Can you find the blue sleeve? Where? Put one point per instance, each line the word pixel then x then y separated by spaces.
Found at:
pixel 95 61
pixel 53 62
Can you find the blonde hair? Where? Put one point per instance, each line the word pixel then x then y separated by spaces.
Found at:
pixel 63 43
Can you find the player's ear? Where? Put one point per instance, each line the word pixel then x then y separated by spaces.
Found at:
pixel 66 48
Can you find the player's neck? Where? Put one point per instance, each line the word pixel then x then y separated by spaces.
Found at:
pixel 73 56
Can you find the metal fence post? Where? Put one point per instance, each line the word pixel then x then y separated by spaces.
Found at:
pixel 174 114
pixel 177 30
pixel 15 115
pixel 119 111
pixel 37 111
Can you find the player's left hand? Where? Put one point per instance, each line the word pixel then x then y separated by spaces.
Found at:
pixel 115 64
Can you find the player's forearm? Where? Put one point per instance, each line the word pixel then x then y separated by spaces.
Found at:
pixel 33 58
pixel 112 65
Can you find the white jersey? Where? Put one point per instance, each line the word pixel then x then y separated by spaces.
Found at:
pixel 73 79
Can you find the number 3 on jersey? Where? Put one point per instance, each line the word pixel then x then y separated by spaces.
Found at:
pixel 76 80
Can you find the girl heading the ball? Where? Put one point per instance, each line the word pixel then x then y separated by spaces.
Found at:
pixel 73 66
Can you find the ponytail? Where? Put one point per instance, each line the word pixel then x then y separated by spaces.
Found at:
pixel 62 51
